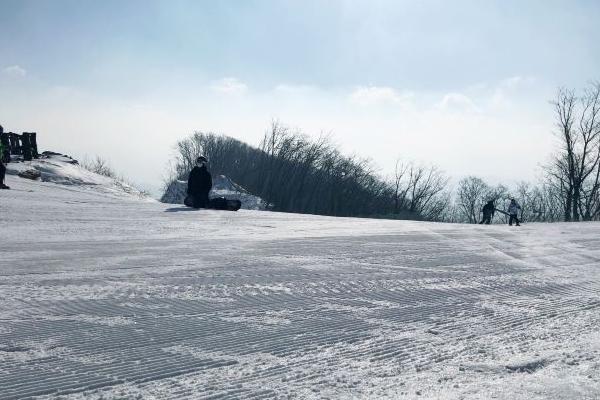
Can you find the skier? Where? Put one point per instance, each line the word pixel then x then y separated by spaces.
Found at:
pixel 488 212
pixel 2 166
pixel 513 211
pixel 199 184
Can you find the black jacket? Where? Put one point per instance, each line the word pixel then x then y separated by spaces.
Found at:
pixel 488 209
pixel 199 182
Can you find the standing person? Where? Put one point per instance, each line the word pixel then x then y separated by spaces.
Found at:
pixel 199 184
pixel 2 174
pixel 488 212
pixel 2 166
pixel 513 212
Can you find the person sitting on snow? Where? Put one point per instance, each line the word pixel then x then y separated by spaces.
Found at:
pixel 513 212
pixel 488 212
pixel 199 184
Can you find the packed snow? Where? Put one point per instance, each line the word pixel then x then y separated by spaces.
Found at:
pixel 104 294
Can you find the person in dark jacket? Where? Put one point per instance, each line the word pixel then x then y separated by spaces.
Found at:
pixel 488 212
pixel 3 153
pixel 2 174
pixel 199 184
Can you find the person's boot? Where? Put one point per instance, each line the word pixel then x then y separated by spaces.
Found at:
pixel 3 186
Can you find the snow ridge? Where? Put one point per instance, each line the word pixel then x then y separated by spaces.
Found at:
pixel 63 170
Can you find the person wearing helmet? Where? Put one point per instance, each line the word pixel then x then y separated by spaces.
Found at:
pixel 513 212
pixel 199 184
pixel 488 212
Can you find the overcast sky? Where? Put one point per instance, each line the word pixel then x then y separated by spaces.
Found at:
pixel 462 84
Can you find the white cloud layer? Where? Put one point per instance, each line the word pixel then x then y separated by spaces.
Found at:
pixel 379 122
pixel 373 95
pixel 458 102
pixel 229 85
pixel 15 71
pixel 509 88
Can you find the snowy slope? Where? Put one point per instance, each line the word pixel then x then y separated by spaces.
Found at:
pixel 63 170
pixel 104 296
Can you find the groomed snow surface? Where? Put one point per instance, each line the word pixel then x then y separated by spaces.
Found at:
pixel 110 296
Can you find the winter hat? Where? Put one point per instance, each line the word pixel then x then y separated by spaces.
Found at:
pixel 201 160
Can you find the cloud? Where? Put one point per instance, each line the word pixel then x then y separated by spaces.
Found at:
pixel 516 82
pixel 371 95
pixel 15 71
pixel 229 86
pixel 508 88
pixel 294 89
pixel 457 102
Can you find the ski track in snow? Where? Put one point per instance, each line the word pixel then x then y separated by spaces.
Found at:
pixel 108 297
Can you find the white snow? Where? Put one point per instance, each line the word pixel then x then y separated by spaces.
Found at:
pixel 64 170
pixel 105 295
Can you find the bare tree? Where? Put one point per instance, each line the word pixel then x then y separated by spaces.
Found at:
pixel 400 188
pixel 586 189
pixel 419 191
pixel 574 169
pixel 471 192
pixel 99 166
pixel 564 165
pixel 426 184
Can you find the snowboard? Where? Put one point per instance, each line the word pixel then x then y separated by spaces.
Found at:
pixel 221 203
pixel 217 203
pixel 508 215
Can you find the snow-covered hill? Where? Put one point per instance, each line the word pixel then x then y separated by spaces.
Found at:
pixel 107 296
pixel 222 187
pixel 63 170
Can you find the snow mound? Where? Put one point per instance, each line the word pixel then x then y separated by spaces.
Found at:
pixel 64 170
pixel 222 187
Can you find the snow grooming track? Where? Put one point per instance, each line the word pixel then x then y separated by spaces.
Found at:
pixel 108 297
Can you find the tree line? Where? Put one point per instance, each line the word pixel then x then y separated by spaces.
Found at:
pixel 294 173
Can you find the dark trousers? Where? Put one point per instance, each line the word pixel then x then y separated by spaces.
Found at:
pixel 2 173
pixel 487 219
pixel 513 218
pixel 197 200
